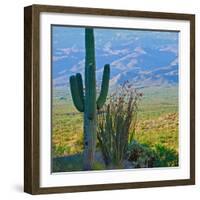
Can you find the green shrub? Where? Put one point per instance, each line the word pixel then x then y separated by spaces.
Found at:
pixel 98 166
pixel 68 163
pixel 165 157
pixel 142 156
pixel 60 150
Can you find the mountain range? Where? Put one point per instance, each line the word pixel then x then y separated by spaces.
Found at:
pixel 144 58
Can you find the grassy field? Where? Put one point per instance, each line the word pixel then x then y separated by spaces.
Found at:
pixel 158 117
pixel 157 123
pixel 67 130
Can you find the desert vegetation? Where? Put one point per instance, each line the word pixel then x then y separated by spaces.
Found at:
pixel 112 128
pixel 116 124
pixel 152 140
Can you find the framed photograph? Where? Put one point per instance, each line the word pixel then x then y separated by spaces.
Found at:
pixel 109 99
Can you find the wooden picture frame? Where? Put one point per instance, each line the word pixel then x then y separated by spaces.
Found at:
pixel 32 106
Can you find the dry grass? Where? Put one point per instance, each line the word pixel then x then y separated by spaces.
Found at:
pixel 163 130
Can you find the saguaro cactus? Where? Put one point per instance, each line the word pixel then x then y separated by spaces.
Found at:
pixel 87 102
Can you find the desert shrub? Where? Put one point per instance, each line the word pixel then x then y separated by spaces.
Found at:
pixel 114 122
pixel 165 157
pixel 98 166
pixel 68 163
pixel 60 150
pixel 142 156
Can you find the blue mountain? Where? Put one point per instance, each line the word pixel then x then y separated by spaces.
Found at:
pixel 145 58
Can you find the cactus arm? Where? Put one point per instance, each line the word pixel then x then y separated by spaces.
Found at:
pixel 104 86
pixel 80 86
pixel 76 94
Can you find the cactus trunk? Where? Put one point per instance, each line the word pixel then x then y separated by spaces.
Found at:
pixel 90 134
pixel 90 137
pixel 87 103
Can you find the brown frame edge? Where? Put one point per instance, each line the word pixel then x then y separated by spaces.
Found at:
pixel 31 98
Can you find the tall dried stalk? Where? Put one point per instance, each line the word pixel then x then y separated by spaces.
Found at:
pixel 114 122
